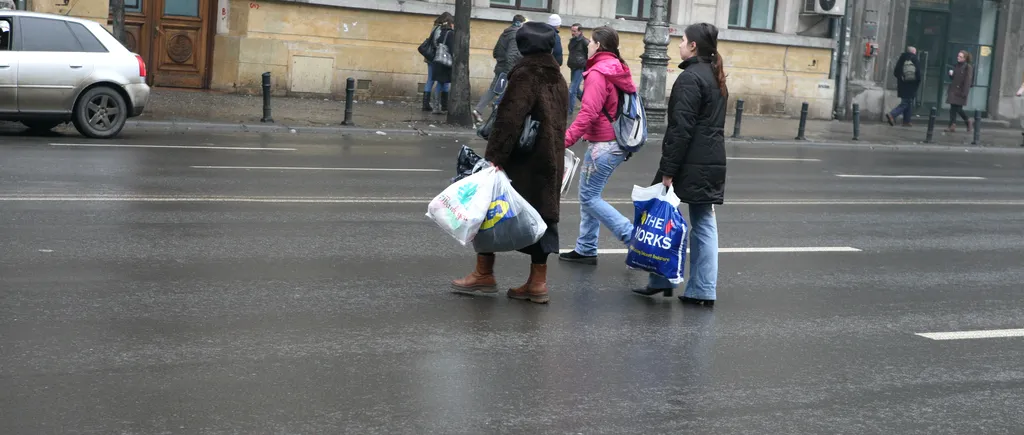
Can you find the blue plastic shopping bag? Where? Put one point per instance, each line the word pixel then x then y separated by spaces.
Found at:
pixel 659 233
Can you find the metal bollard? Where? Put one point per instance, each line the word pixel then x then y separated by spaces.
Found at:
pixel 350 93
pixel 977 128
pixel 739 118
pixel 856 121
pixel 266 98
pixel 803 122
pixel 931 125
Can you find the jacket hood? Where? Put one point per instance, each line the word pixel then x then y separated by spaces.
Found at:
pixel 510 29
pixel 617 73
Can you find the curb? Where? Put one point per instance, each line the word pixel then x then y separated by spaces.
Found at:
pixel 182 127
pixel 191 127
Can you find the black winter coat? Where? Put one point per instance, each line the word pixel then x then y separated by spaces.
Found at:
pixel 578 53
pixel 693 151
pixel 907 88
pixel 446 36
pixel 506 52
pixel 535 87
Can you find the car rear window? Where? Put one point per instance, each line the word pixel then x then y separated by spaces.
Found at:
pixel 89 42
pixel 41 34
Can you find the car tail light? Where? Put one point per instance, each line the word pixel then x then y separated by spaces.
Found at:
pixel 142 66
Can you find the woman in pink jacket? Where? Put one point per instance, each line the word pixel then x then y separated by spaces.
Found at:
pixel 605 77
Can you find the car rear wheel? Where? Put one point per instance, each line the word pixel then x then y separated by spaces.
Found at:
pixel 100 113
pixel 38 126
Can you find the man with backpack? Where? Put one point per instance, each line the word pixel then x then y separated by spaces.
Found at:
pixel 908 77
pixel 506 55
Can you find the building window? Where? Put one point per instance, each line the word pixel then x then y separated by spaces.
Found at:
pixel 526 5
pixel 752 14
pixel 636 9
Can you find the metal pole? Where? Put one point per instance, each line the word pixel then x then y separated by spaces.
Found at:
pixel 266 98
pixel 739 118
pixel 931 124
pixel 856 121
pixel 654 66
pixel 977 128
pixel 803 122
pixel 350 92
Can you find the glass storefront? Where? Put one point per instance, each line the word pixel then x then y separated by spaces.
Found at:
pixel 940 29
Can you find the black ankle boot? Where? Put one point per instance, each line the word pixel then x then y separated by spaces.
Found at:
pixel 699 302
pixel 426 102
pixel 666 292
pixel 576 257
pixel 444 101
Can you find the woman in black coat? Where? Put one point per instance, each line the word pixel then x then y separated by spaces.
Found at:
pixel 442 74
pixel 693 158
pixel 535 87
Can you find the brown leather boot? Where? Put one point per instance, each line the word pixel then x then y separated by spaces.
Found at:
pixel 481 280
pixel 951 128
pixel 536 288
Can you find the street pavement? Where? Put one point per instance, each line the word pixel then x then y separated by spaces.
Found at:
pixel 291 284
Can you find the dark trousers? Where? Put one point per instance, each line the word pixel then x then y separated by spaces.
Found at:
pixel 955 109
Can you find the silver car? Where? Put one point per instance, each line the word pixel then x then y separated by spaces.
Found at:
pixel 55 69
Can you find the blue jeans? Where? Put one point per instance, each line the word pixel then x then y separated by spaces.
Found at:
pixel 429 86
pixel 574 89
pixel 600 161
pixel 906 108
pixel 703 256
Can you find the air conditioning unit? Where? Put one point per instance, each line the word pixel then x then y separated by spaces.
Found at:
pixel 825 7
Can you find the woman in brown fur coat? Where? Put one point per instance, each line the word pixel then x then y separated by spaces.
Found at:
pixel 536 87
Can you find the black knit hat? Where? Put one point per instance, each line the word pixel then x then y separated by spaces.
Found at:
pixel 535 37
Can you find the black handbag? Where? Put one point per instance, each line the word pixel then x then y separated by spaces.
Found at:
pixel 527 138
pixel 427 48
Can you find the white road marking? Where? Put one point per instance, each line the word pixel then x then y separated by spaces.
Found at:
pixel 911 177
pixel 425 200
pixel 102 145
pixel 969 335
pixel 773 159
pixel 300 168
pixel 749 250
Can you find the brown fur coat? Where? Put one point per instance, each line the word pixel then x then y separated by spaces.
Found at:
pixel 535 87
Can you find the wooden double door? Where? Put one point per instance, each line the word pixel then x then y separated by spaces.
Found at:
pixel 173 37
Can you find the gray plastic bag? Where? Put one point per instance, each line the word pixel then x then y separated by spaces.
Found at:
pixel 511 223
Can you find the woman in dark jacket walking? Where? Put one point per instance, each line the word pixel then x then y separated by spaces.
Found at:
pixel 440 73
pixel 535 87
pixel 959 90
pixel 693 158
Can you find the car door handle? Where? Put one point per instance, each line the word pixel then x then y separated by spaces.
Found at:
pixel 76 66
pixel 4 65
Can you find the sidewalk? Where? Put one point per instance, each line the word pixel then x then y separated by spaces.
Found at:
pixel 188 110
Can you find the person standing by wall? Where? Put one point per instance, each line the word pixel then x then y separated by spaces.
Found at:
pixel 506 55
pixel 445 35
pixel 429 85
pixel 959 90
pixel 908 78
pixel 577 63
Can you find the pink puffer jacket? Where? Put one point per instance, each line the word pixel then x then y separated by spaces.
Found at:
pixel 604 78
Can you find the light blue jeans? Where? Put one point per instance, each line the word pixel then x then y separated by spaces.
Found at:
pixel 703 256
pixel 600 161
pixel 574 89
pixel 429 86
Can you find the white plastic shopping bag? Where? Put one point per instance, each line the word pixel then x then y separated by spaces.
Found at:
pixel 571 164
pixel 511 224
pixel 462 207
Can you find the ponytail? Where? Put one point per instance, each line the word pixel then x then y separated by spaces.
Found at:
pixel 719 69
pixel 616 53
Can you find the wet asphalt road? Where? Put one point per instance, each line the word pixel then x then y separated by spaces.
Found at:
pixel 166 290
